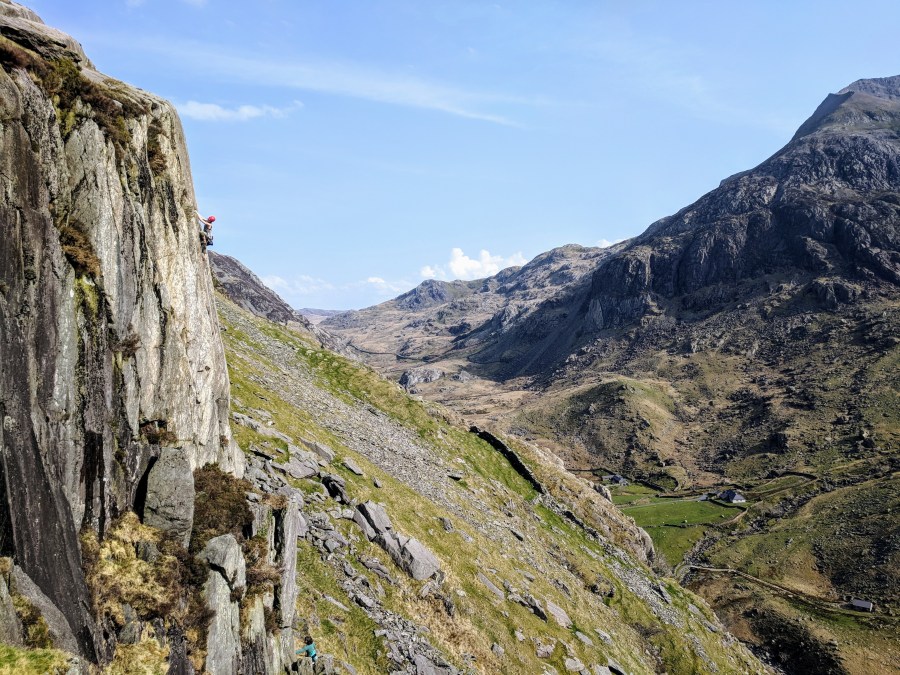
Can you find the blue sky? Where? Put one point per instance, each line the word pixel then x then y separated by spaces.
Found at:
pixel 351 149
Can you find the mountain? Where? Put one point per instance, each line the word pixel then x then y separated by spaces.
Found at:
pixel 246 290
pixel 749 340
pixel 188 486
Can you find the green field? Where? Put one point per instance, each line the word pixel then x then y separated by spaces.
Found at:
pixel 676 525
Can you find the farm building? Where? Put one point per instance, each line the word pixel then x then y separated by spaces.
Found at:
pixel 732 497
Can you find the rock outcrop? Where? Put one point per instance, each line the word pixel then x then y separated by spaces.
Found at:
pixel 109 341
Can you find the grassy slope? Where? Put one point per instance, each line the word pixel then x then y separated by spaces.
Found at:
pixel 555 549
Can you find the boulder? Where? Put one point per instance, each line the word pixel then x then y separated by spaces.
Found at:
pixel 353 467
pixel 299 466
pixel 559 614
pixel 170 495
pixel 224 555
pixel 573 665
pixel 324 665
pixel 376 515
pixel 322 451
pixel 336 487
pixel 418 561
pixel 363 523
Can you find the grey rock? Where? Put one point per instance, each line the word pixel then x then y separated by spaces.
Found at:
pixel 411 378
pixel 223 638
pixel 170 495
pixel 491 586
pixel 10 626
pixel 615 667
pixel 288 523
pixel 376 516
pixel 497 650
pixel 584 638
pixel 447 524
pixel 364 525
pixel 559 614
pixel 323 451
pixel 418 561
pixel 325 665
pixel 606 637
pixel 544 650
pixel 60 631
pixel 353 467
pixel 336 487
pixel 299 466
pixel 573 665
pixel 224 554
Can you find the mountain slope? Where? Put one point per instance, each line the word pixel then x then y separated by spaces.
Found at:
pixel 535 573
pixel 748 338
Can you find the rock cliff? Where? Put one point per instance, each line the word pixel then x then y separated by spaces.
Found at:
pixel 109 340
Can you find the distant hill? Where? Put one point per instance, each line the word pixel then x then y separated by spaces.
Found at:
pixel 751 339
pixel 317 316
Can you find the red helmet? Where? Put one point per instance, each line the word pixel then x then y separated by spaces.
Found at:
pixel 212 219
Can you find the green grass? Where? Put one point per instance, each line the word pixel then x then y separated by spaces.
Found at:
pixel 350 635
pixel 672 512
pixel 14 661
pixel 674 542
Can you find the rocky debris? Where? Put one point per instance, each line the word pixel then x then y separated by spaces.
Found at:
pixel 224 555
pixel 169 505
pixel 259 427
pixel 376 516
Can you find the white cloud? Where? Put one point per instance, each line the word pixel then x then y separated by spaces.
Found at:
pixel 461 266
pixel 213 112
pixel 388 287
pixel 606 243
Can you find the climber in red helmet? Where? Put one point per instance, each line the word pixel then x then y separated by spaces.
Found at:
pixel 206 238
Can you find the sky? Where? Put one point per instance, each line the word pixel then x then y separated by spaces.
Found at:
pixel 351 149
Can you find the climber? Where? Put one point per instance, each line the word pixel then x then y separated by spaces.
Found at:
pixel 206 238
pixel 309 650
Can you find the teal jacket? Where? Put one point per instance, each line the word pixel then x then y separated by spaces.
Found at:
pixel 308 650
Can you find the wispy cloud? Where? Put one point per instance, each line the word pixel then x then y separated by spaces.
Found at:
pixel 299 286
pixel 461 266
pixel 670 71
pixel 213 112
pixel 348 79
pixel 606 243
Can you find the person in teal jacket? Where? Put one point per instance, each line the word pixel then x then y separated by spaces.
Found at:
pixel 309 650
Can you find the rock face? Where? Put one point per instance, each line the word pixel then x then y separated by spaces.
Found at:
pixel 170 496
pixel 109 341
